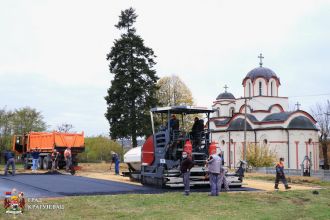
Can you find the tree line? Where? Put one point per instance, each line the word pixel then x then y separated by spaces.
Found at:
pixel 19 121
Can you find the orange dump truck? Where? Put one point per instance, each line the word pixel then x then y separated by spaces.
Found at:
pixel 47 142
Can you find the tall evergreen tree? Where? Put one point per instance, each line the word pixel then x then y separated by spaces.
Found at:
pixel 132 91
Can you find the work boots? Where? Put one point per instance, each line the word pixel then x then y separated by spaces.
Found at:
pixel 276 186
pixel 287 187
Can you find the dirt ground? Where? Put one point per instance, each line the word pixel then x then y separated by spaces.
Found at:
pixel 102 171
pixel 269 186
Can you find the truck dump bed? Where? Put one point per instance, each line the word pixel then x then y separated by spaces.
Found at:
pixel 47 141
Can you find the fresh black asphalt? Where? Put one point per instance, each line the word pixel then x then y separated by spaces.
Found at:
pixel 42 186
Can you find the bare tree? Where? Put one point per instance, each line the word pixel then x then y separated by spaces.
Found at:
pixel 65 127
pixel 173 91
pixel 321 113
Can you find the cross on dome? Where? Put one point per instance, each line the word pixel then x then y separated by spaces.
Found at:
pixel 260 57
pixel 226 87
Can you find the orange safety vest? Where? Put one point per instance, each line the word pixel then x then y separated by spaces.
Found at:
pixel 279 164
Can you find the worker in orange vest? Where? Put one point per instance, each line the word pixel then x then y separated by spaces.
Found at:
pixel 280 174
pixel 68 158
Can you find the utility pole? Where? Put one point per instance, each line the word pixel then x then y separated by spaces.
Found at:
pixel 245 114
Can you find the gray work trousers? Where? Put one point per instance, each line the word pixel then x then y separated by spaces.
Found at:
pixel 68 162
pixel 223 180
pixel 11 162
pixel 54 165
pixel 186 182
pixel 214 183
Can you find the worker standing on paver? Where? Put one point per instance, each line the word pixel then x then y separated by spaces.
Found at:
pixel 115 159
pixel 35 159
pixel 185 167
pixel 213 164
pixel 280 174
pixel 10 160
pixel 68 158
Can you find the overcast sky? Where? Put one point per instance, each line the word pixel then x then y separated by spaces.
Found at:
pixel 53 53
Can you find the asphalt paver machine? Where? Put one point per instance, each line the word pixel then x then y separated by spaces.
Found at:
pixel 161 153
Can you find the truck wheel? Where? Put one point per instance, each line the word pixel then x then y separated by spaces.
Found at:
pixel 40 163
pixel 46 163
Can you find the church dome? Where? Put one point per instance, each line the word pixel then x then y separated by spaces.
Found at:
pixel 301 122
pixel 225 95
pixel 261 72
pixel 238 125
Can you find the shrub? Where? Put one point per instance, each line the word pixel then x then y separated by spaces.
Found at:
pixel 99 149
pixel 260 156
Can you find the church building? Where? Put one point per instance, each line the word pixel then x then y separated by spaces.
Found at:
pixel 291 134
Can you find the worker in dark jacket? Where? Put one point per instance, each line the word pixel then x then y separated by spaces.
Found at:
pixel 280 174
pixel 35 158
pixel 174 123
pixel 115 159
pixel 196 131
pixel 185 168
pixel 10 158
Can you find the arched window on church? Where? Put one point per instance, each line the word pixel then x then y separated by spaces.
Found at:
pixel 231 112
pixel 265 141
pixel 260 88
pixel 218 112
pixel 250 94
pixel 271 88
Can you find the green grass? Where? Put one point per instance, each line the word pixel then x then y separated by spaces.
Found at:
pixel 242 205
pixel 261 205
